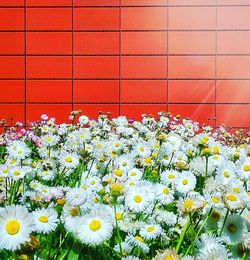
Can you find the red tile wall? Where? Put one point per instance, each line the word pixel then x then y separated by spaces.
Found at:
pixel 128 57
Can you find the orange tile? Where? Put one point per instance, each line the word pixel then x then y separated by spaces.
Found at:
pixel 144 18
pixel 49 43
pixel 49 3
pixel 143 2
pixel 136 110
pixel 96 3
pixel 200 113
pixel 96 90
pixel 233 67
pixel 191 91
pixel 233 115
pixel 192 2
pixel 195 18
pixel 12 19
pixel 233 91
pixel 143 91
pixel 143 67
pixel 59 111
pixel 233 42
pixel 49 90
pixel 96 67
pixel 144 42
pixel 96 42
pixel 15 111
pixel 12 3
pixel 92 111
pixel 233 2
pixel 13 67
pixel 96 18
pixel 191 42
pixel 12 43
pixel 235 17
pixel 191 67
pixel 49 67
pixel 49 18
pixel 13 90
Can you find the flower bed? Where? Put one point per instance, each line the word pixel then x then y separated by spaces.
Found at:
pixel 114 189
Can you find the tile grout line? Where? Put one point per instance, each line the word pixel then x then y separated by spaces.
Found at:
pixel 120 54
pixel 72 60
pixel 167 55
pixel 25 62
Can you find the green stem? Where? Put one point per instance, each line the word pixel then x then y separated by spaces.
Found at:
pixel 183 234
pixel 117 229
pixel 224 222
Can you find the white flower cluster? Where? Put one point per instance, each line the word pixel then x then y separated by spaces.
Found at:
pixel 163 188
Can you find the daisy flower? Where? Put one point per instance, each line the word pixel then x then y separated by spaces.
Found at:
pixel 211 248
pixel 137 241
pixel 46 220
pixel 185 182
pixel 18 150
pixel 94 228
pixel 76 196
pixel 137 200
pixel 135 174
pixel 16 224
pixel 69 160
pixel 233 230
pixel 150 231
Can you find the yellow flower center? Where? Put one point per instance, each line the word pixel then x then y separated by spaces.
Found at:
pixel 147 160
pixel 124 164
pixel 137 199
pixel 168 257
pixel 95 225
pixel 74 212
pixel 141 149
pixel 43 219
pixel 68 159
pixel 215 200
pixel 5 171
pixel 150 229
pixel 236 189
pixel 188 204
pixel 140 239
pixel 12 227
pixel 171 176
pixel 226 174
pixel 133 174
pixel 92 182
pixel 166 190
pixel 231 197
pixel 246 168
pixel 118 172
pixel 216 150
pixel 185 182
pixel 118 216
pixel 16 173
pixel 248 216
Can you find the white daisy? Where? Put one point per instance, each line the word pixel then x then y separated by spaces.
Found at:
pixel 185 182
pixel 138 200
pixel 16 224
pixel 76 196
pixel 150 231
pixel 94 228
pixel 138 242
pixel 18 150
pixel 46 220
pixel 69 160
pixel 233 230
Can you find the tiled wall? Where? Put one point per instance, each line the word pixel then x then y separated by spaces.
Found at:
pixel 126 56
